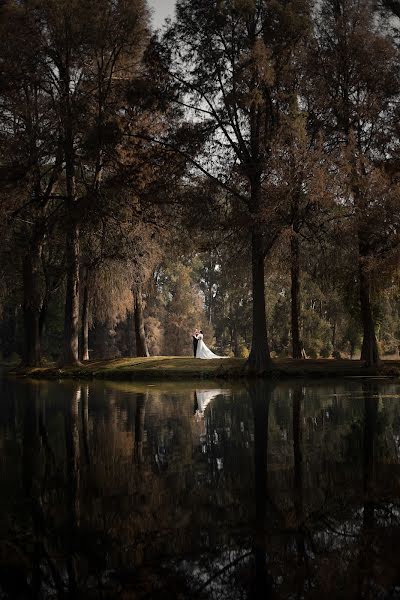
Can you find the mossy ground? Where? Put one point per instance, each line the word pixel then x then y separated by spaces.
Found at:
pixel 178 368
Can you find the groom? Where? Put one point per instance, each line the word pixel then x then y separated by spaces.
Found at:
pixel 195 341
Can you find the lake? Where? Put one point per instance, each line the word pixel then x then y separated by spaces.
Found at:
pixel 200 490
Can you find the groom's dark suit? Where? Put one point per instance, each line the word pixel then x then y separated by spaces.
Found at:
pixel 195 342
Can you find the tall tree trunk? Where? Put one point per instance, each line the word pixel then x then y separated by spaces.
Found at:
pixel 131 337
pixel 71 317
pixel 236 349
pixel 259 359
pixel 72 240
pixel 42 317
pixel 369 349
pixel 85 321
pixel 295 295
pixel 141 344
pixel 334 326
pixel 32 304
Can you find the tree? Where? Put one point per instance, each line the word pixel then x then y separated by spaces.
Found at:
pixel 303 192
pixel 31 159
pixel 235 90
pixel 91 49
pixel 354 69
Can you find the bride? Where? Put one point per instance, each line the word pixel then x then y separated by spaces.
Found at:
pixel 202 350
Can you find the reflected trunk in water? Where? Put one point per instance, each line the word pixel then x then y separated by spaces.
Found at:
pixel 371 400
pixel 370 417
pixel 85 422
pixel 73 468
pixel 261 397
pixel 31 476
pixel 298 486
pixel 139 428
pixel 34 479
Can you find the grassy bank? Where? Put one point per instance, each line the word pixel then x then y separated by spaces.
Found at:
pixel 177 368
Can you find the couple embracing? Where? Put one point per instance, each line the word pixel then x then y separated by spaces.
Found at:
pixel 200 350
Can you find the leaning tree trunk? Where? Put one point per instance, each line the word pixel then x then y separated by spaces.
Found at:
pixel 85 321
pixel 32 305
pixel 295 295
pixel 369 349
pixel 259 359
pixel 141 344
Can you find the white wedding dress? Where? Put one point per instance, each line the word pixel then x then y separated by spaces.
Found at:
pixel 203 351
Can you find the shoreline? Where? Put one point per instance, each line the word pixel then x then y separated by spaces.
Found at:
pixel 178 368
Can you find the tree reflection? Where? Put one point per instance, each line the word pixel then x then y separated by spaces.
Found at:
pixel 36 450
pixel 371 401
pixel 268 492
pixel 31 476
pixel 298 395
pixel 140 414
pixel 261 394
pixel 73 495
pixel 85 421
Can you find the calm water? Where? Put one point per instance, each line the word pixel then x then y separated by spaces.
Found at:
pixel 175 491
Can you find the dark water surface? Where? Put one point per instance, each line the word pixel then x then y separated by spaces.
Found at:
pixel 112 490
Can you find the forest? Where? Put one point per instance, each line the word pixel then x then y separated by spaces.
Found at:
pixel 236 171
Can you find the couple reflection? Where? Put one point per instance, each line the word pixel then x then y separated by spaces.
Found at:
pixel 266 513
pixel 202 399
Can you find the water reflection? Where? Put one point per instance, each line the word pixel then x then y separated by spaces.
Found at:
pixel 265 491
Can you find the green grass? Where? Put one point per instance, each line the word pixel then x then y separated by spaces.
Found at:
pixel 178 368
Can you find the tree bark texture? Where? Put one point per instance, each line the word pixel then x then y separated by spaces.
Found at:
pixel 141 344
pixel 295 296
pixel 369 348
pixel 71 317
pixel 85 321
pixel 72 250
pixel 259 359
pixel 32 304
